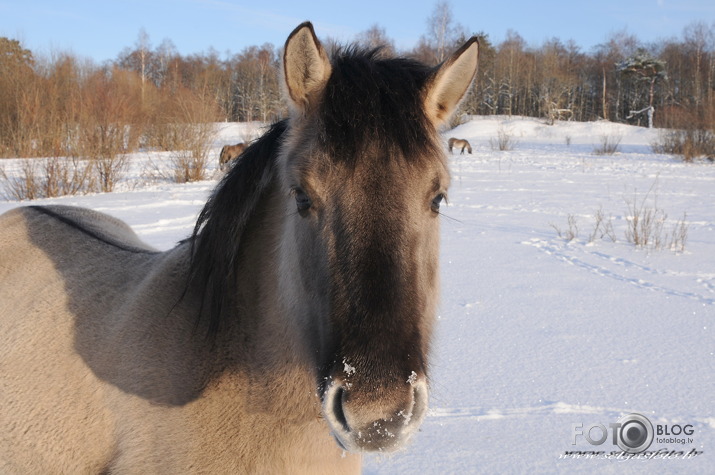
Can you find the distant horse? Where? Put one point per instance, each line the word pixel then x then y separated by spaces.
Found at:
pixel 229 153
pixel 297 315
pixel 459 143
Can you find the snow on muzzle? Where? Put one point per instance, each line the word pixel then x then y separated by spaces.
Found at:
pixel 363 420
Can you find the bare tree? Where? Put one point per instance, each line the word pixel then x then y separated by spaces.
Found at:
pixel 255 83
pixel 556 81
pixel 164 54
pixel 375 37
pixel 442 33
pixel 511 62
pixel 440 27
pixel 698 39
pixel 16 80
pixel 143 48
pixel 619 46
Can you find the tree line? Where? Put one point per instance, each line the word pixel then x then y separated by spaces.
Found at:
pixel 64 105
pixel 622 80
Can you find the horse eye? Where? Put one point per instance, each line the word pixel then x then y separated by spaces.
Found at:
pixel 436 202
pixel 302 200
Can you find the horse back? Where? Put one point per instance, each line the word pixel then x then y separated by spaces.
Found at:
pixel 61 270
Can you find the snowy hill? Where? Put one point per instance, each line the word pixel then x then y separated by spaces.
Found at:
pixel 539 332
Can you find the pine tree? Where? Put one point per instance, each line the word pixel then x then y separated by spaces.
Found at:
pixel 642 68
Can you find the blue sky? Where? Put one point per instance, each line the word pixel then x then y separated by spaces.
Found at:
pixel 100 29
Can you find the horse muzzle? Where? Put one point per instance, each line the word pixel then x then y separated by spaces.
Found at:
pixel 366 420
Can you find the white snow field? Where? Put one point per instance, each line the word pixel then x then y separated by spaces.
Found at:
pixel 542 342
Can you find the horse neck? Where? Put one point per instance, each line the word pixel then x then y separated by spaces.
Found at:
pixel 269 335
pixel 251 379
pixel 261 345
pixel 257 340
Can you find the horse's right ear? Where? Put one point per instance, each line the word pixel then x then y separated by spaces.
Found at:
pixel 306 67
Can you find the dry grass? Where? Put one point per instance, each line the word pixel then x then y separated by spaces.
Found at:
pixel 602 227
pixel 570 232
pixel 647 227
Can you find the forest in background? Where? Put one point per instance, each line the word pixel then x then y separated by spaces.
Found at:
pixel 64 105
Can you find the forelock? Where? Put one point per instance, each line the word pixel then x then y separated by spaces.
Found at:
pixel 375 102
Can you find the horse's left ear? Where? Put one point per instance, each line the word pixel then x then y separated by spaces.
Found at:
pixel 450 82
pixel 306 67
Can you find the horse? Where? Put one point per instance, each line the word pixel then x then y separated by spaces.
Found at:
pixel 453 142
pixel 229 153
pixel 289 333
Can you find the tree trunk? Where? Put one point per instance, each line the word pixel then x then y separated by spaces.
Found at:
pixel 605 97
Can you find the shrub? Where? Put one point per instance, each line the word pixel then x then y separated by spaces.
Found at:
pixel 503 142
pixel 691 144
pixel 609 145
pixel 50 177
pixel 688 132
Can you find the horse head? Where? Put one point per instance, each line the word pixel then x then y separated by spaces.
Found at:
pixel 364 175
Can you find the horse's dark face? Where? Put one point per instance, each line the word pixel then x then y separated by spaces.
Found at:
pixel 362 187
pixel 365 242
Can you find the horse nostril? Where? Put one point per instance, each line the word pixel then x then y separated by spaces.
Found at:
pixel 333 407
pixel 337 408
pixel 363 422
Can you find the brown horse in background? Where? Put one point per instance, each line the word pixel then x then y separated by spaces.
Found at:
pixel 453 142
pixel 229 153
pixel 288 334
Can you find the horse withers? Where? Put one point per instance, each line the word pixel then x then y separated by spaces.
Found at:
pixel 288 334
pixel 459 143
pixel 230 153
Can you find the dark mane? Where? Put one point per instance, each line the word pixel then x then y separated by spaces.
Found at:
pixel 375 101
pixel 217 235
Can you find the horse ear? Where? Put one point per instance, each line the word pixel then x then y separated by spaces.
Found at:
pixel 450 82
pixel 306 67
